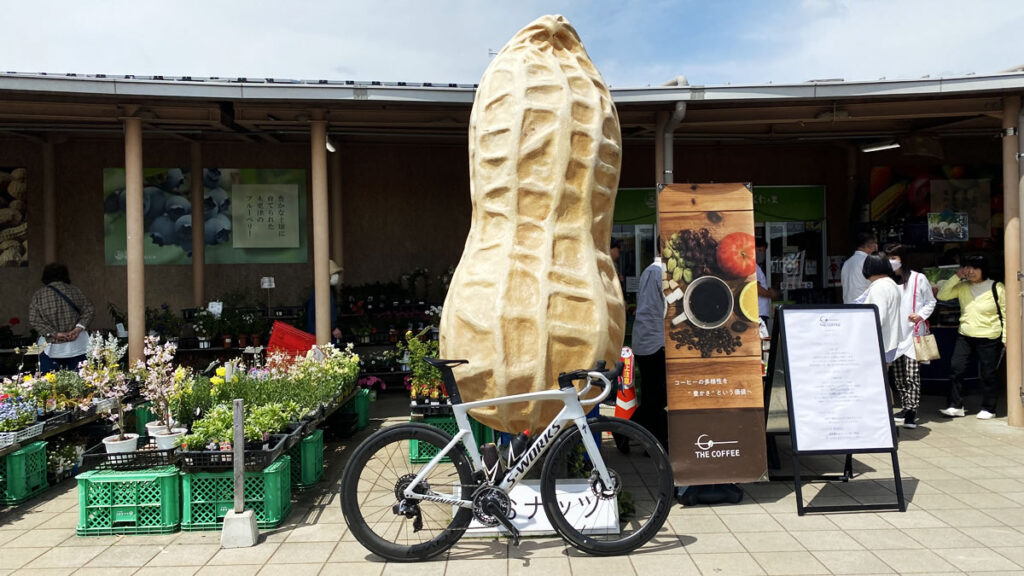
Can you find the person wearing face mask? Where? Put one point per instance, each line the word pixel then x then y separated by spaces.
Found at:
pixel 916 304
pixel 982 333
pixel 335 272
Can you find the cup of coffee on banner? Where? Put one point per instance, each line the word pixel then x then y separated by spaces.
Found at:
pixel 708 302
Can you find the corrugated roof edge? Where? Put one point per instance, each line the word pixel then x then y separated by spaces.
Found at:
pixel 272 88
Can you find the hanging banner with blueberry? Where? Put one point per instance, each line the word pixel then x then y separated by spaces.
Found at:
pixel 712 341
pixel 247 216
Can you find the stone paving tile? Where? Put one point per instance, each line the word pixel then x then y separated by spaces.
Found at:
pixel 8 535
pixel 356 569
pixel 1008 516
pixel 1013 553
pixel 234 556
pixel 966 518
pixel 977 559
pixel 826 540
pixel 434 568
pixel 983 501
pixel 936 502
pixel 997 536
pixel 714 544
pixel 538 548
pixel 66 557
pixel 247 570
pixel 302 553
pixel 479 549
pixel 39 537
pixel 317 533
pixel 915 561
pixel 73 540
pixel 149 539
pixel 290 570
pixel 791 522
pixel 45 572
pixel 197 538
pixel 943 538
pixel 185 555
pixel 860 521
pixel 27 520
pixel 1002 485
pixel 476 567
pixel 61 520
pixel 770 542
pixel 745 506
pixel 852 562
pixel 884 539
pixel 792 563
pixel 700 524
pixel 167 571
pixel 679 564
pixel 762 522
pixel 913 519
pixel 735 564
pixel 348 551
pixel 124 556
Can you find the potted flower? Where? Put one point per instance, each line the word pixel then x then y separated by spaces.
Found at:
pixel 258 327
pixel 164 322
pixel 157 374
pixel 206 326
pixel 425 380
pixel 102 370
pixel 16 414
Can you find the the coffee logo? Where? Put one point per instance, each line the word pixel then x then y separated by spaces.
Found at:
pixel 706 448
pixel 827 322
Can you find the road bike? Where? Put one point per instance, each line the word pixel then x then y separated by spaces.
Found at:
pixel 606 483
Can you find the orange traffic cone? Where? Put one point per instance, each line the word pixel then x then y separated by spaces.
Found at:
pixel 625 403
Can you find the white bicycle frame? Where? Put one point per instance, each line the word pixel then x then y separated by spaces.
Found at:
pixel 572 411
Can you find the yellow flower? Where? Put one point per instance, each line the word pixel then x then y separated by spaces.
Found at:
pixel 216 380
pixel 221 371
pixel 27 378
pixel 51 377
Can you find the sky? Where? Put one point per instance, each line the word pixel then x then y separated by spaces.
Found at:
pixel 633 43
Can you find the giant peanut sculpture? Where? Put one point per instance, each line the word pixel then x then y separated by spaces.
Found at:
pixel 535 292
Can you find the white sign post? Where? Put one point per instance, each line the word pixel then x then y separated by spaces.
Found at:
pixel 836 389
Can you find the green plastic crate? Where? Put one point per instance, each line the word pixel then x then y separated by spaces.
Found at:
pixel 23 474
pixel 307 461
pixel 136 502
pixel 419 454
pixel 207 496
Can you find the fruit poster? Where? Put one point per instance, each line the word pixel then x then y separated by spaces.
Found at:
pixel 712 340
pixel 248 216
pixel 13 217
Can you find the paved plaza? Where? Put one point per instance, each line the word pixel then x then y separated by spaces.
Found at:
pixel 964 482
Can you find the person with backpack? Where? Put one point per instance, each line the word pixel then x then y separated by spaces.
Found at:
pixel 982 333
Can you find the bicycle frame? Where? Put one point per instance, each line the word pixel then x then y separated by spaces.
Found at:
pixel 572 411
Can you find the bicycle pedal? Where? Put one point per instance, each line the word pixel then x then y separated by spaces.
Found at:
pixel 494 510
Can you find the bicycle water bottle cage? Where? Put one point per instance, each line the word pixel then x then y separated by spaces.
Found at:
pixel 445 366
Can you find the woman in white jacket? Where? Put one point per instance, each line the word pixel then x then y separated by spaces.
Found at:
pixel 917 304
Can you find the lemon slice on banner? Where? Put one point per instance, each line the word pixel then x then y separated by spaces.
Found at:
pixel 748 302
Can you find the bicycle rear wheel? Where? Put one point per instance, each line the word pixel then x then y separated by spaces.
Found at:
pixel 602 520
pixel 377 474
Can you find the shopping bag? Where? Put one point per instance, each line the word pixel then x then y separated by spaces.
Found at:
pixel 925 347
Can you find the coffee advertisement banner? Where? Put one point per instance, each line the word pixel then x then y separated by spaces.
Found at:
pixel 712 345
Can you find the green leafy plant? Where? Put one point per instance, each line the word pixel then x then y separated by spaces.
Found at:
pixel 164 321
pixel 205 324
pixel 425 377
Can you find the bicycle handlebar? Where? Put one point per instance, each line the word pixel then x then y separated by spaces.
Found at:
pixel 566 379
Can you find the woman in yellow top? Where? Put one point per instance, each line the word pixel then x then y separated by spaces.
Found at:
pixel 982 332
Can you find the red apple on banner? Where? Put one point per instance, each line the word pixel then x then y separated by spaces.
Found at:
pixel 736 255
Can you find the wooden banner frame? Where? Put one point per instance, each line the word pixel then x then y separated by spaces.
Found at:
pixel 829 318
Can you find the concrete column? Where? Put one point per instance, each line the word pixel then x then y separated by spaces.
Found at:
pixel 198 244
pixel 136 268
pixel 337 236
pixel 321 232
pixel 49 203
pixel 1012 262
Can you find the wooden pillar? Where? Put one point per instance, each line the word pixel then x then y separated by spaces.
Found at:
pixel 136 268
pixel 659 149
pixel 321 232
pixel 1011 260
pixel 198 244
pixel 49 203
pixel 337 236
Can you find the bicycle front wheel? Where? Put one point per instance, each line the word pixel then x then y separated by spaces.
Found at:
pixel 608 520
pixel 373 483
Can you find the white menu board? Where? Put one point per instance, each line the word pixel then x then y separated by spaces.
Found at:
pixel 840 400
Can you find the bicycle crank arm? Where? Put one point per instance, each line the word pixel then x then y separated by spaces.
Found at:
pixel 494 510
